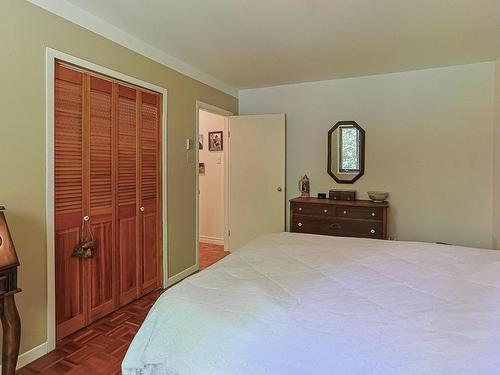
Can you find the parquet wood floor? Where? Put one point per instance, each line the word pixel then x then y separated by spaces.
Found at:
pixel 100 347
pixel 209 254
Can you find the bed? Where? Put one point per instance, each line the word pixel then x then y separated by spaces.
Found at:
pixel 305 304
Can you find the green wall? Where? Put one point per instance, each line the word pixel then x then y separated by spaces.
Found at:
pixel 25 32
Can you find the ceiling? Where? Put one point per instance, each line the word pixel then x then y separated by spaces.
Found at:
pixel 255 43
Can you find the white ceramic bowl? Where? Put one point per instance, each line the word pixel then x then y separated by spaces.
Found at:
pixel 378 196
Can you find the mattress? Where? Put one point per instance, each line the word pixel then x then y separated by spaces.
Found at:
pixel 306 304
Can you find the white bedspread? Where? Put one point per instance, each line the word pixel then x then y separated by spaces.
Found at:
pixel 306 304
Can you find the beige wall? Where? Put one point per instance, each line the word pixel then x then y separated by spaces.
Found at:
pixel 496 160
pixel 428 142
pixel 212 183
pixel 25 32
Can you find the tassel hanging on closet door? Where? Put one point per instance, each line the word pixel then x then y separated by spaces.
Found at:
pixel 87 245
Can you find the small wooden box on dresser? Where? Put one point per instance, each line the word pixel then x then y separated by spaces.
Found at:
pixel 358 218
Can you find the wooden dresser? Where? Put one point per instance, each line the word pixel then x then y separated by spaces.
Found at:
pixel 358 218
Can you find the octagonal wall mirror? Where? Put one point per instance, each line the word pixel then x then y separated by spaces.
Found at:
pixel 346 152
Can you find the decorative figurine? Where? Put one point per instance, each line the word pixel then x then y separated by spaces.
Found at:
pixel 304 187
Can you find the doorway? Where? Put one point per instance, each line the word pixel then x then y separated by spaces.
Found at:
pixel 211 150
pixel 249 199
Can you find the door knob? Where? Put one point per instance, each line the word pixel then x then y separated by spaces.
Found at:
pixel 142 209
pixel 279 188
pixel 86 218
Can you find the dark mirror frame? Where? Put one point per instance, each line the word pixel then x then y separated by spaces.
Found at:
pixel 361 152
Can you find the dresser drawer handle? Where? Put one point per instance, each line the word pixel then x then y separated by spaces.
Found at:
pixel 372 231
pixel 299 224
pixel 300 208
pixel 325 211
pixel 336 226
pixel 345 212
pixel 373 213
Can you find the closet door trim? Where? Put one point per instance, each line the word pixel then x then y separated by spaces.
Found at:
pixel 52 57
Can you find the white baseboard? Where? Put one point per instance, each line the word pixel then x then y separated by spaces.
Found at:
pixel 182 275
pixel 31 355
pixel 212 240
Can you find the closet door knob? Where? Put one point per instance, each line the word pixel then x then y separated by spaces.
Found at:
pixel 299 224
pixel 372 231
pixel 279 188
pixel 142 209
pixel 86 218
pixel 325 211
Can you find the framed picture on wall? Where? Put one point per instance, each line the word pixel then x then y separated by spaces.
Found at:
pixel 200 141
pixel 215 142
pixel 201 169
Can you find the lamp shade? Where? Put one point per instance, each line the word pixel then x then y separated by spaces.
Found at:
pixel 8 256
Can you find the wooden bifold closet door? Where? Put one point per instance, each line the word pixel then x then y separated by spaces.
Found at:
pixel 107 179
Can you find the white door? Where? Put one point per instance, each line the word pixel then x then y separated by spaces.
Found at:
pixel 256 177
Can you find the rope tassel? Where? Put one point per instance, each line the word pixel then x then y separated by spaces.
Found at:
pixel 87 245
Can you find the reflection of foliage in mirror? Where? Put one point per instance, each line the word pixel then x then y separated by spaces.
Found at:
pixel 346 152
pixel 349 149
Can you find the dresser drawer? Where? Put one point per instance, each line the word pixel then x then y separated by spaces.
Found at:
pixel 336 226
pixel 366 213
pixel 7 281
pixel 314 209
pixel 4 284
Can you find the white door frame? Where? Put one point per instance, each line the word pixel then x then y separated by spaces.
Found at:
pixel 226 114
pixel 51 57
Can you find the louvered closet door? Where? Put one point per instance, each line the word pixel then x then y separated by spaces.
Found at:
pixel 107 169
pixel 100 203
pixel 150 223
pixel 71 290
pixel 127 194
